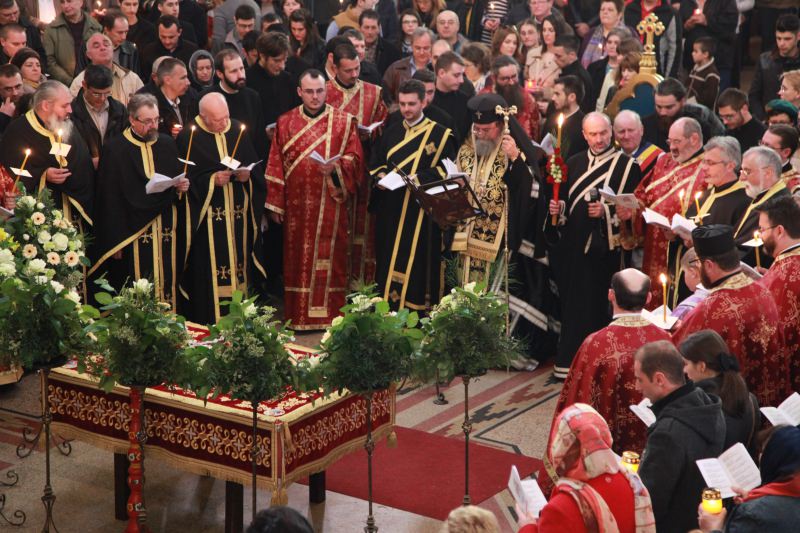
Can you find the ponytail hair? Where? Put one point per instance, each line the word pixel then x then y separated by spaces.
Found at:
pixel 707 346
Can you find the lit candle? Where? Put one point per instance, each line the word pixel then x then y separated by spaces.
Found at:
pixel 560 123
pixel 681 194
pixel 239 138
pixel 58 155
pixel 712 501
pixel 663 278
pixel 188 151
pixel 630 460
pixel 27 154
pixel 697 196
pixel 697 11
pixel 757 237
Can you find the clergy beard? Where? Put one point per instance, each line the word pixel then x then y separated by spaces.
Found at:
pixel 484 147
pixel 151 135
pixel 704 279
pixel 512 94
pixel 54 125
pixel 751 190
pixel 769 245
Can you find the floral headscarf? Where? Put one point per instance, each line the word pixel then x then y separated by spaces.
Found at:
pixel 580 450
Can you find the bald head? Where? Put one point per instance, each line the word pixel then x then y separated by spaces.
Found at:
pixel 214 112
pixel 630 290
pixel 685 139
pixel 597 131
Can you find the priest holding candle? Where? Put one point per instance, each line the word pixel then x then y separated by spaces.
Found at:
pixel 141 235
pixel 226 198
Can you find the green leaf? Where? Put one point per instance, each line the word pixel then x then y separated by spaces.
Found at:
pixel 103 298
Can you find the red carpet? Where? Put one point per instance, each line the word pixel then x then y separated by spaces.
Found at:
pixel 424 474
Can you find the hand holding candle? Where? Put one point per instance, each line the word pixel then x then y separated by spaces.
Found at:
pixel 663 278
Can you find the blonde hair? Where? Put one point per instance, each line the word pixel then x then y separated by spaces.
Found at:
pixel 470 519
pixel 792 78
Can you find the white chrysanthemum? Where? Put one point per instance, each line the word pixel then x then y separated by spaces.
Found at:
pixel 36 266
pixel 58 287
pixel 7 270
pixel 71 259
pixel 43 236
pixel 26 237
pixel 29 251
pixel 28 202
pixel 61 241
pixel 361 302
pixel 6 257
pixel 142 286
pixel 38 218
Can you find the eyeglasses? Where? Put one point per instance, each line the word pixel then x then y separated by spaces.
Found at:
pixel 148 122
pixel 749 171
pixel 98 94
pixel 762 230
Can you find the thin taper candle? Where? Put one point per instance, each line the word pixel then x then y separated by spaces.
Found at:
pixel 560 123
pixel 697 196
pixel 22 168
pixel 757 237
pixel 188 151
pixel 239 138
pixel 663 278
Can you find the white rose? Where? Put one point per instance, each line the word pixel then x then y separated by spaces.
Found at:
pixel 36 266
pixel 29 251
pixel 56 286
pixel 74 296
pixel 61 241
pixel 37 218
pixel 26 237
pixel 39 205
pixel 71 259
pixel 43 236
pixel 53 258
pixel 7 270
pixel 142 286
pixel 6 257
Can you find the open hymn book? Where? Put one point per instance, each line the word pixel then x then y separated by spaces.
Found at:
pixel 788 412
pixel 734 468
pixel 527 493
pixel 680 224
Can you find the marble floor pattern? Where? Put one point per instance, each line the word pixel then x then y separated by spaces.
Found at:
pixel 510 410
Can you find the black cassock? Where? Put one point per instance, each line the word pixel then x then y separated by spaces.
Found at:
pixel 75 196
pixel 408 244
pixel 152 231
pixel 222 258
pixel 586 251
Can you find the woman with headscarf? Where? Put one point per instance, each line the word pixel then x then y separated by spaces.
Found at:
pixel 594 492
pixel 709 363
pixel 201 70
pixel 774 505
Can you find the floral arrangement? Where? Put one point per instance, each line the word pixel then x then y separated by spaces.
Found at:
pixel 246 354
pixel 465 335
pixel 556 172
pixel 41 260
pixel 368 347
pixel 139 342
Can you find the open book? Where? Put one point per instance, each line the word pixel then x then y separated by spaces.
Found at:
pixel 527 493
pixel 391 181
pixel 370 128
pixel 452 169
pixel 643 411
pixel 734 468
pixel 160 183
pixel 656 317
pixel 679 224
pixel 788 412
pixel 321 160
pixel 623 200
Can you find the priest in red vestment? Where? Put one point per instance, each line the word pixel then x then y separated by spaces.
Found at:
pixel 363 100
pixel 742 311
pixel 315 164
pixel 779 223
pixel 601 374
pixel 681 171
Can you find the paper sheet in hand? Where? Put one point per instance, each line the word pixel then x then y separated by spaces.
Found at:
pixel 656 317
pixel 788 412
pixel 750 272
pixel 527 493
pixel 623 200
pixel 651 217
pixel 392 181
pixel 6 212
pixel 682 226
pixel 160 183
pixel 250 166
pixel 734 468
pixel 59 149
pixel 187 162
pixel 548 144
pixel 643 411
pixel 321 160
pixel 231 163
pixel 370 128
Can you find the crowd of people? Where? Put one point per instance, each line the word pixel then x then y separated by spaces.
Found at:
pixel 280 148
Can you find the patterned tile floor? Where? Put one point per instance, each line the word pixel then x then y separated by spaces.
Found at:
pixel 510 410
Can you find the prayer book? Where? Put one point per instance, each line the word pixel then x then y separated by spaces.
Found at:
pixel 788 412
pixel 656 317
pixel 527 493
pixel 643 411
pixel 370 128
pixel 321 160
pixel 623 200
pixel 160 183
pixel 734 468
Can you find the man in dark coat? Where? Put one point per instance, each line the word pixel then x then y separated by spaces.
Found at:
pixel 689 426
pixel 97 116
pixel 170 43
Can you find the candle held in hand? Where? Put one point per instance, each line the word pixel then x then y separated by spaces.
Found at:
pixel 712 501
pixel 630 460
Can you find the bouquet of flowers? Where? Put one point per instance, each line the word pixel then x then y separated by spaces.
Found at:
pixel 41 261
pixel 369 347
pixel 465 335
pixel 246 354
pixel 556 172
pixel 140 343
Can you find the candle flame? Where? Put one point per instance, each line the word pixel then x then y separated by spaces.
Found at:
pixel 60 132
pixel 697 195
pixel 27 151
pixel 560 119
pixel 193 127
pixel 663 278
pixel 681 193
pixel 243 127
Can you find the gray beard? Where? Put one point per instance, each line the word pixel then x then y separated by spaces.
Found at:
pixel 484 147
pixel 66 128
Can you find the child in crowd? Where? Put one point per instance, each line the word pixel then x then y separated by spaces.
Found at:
pixel 703 81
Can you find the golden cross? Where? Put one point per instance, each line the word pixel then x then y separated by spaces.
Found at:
pixel 218 213
pixel 506 112
pixel 223 272
pixel 650 26
pixel 238 211
pixel 145 238
pixel 166 234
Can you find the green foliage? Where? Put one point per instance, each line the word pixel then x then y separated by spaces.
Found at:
pixel 140 343
pixel 465 335
pixel 247 357
pixel 369 347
